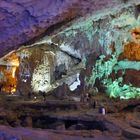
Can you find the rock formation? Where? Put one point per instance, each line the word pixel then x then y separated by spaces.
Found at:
pixel 74 35
pixel 24 21
pixel 61 49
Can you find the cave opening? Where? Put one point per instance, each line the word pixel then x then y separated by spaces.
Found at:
pixel 47 122
pixel 38 68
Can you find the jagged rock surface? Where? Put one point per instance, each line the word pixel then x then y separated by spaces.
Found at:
pixel 23 21
pixel 102 30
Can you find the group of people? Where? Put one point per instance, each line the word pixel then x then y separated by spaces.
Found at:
pixel 87 98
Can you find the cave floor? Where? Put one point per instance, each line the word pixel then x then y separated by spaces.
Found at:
pixel 73 118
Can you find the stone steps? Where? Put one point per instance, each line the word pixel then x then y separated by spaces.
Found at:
pixel 127 130
pixel 131 132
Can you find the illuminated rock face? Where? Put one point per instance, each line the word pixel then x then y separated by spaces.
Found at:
pixel 95 42
pixel 41 78
pixel 24 20
pixel 132 51
pixel 104 38
pixel 44 68
pixel 8 73
pixel 35 69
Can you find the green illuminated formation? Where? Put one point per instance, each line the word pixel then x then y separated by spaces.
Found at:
pixel 117 32
pixel 128 65
pixel 115 88
pixel 104 34
pixel 102 69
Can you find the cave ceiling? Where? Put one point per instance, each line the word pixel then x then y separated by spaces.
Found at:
pixel 22 22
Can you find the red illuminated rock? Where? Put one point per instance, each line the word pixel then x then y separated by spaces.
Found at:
pixel 132 51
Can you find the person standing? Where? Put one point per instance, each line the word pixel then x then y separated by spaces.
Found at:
pixel 94 104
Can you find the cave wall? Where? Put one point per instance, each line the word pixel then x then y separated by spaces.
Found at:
pixel 44 68
pixel 100 42
pixel 95 34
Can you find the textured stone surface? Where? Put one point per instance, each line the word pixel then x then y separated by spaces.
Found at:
pixel 82 37
pixel 102 34
pixel 132 52
pixel 31 134
pixel 22 21
pixel 97 28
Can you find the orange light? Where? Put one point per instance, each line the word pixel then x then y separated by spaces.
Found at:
pixel 13 71
pixel 13 90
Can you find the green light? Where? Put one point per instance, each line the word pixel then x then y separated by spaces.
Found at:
pixel 115 88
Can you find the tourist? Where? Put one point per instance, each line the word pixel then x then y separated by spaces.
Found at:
pixel 29 95
pixel 94 104
pixel 102 110
pixel 44 95
pixel 87 97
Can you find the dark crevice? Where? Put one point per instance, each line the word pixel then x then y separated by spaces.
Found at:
pixel 72 56
pixel 129 108
pixel 43 122
pixel 46 122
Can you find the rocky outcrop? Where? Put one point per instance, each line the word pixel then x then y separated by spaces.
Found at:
pixel 24 21
pixel 64 45
pixel 99 40
pixel 87 34
pixel 32 134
